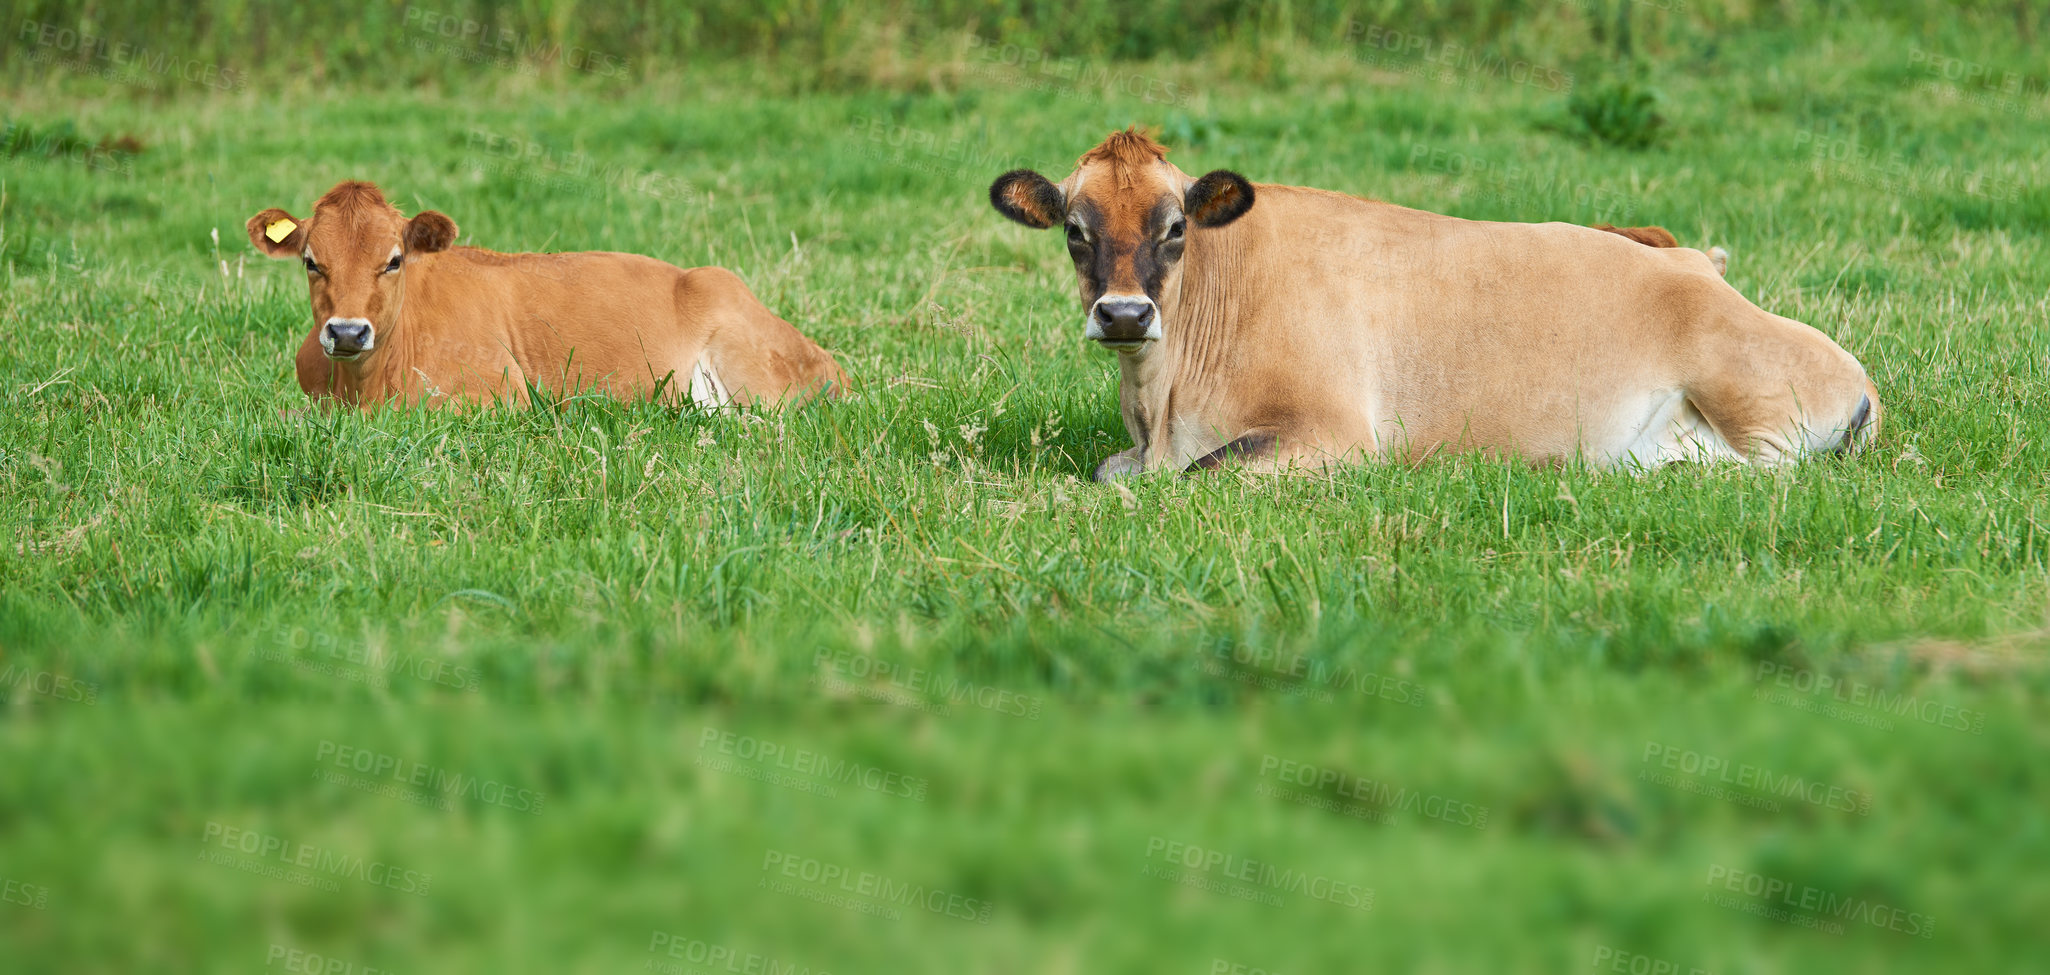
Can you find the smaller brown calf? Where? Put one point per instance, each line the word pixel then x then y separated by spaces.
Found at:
pixel 400 316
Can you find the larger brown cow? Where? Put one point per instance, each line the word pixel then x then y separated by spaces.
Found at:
pixel 1272 326
pixel 400 316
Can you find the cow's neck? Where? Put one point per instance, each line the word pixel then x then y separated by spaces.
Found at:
pixel 1176 398
pixel 1143 397
pixel 386 373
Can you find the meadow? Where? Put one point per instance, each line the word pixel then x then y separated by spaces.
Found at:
pixel 888 685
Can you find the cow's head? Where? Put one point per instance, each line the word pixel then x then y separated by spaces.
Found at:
pixel 1127 213
pixel 355 248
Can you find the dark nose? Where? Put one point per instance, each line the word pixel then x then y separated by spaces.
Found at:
pixel 349 336
pixel 1124 319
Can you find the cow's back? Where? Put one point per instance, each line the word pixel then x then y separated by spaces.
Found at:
pixel 564 321
pixel 1460 332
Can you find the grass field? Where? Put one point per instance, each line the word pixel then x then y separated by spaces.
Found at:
pixel 888 686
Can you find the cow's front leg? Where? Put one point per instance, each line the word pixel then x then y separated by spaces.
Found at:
pixel 1124 463
pixel 1257 451
pixel 1272 452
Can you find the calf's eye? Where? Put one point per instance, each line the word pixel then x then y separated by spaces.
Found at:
pixel 311 268
pixel 1175 230
pixel 396 260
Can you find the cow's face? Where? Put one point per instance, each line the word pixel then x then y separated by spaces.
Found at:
pixel 1127 213
pixel 355 248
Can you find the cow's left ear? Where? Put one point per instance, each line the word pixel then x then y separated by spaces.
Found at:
pixel 1029 198
pixel 429 231
pixel 1220 197
pixel 277 233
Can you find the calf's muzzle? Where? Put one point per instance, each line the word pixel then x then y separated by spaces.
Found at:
pixel 347 337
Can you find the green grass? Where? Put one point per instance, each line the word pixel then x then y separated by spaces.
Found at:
pixel 1044 682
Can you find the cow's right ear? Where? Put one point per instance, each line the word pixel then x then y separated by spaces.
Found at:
pixel 277 233
pixel 429 231
pixel 1029 198
pixel 1220 197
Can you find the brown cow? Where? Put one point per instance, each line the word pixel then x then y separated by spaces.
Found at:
pixel 1275 325
pixel 400 316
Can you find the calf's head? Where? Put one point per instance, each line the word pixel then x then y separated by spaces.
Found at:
pixel 355 247
pixel 1127 213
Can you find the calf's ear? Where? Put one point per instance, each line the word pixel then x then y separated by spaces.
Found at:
pixel 1220 197
pixel 1029 198
pixel 429 231
pixel 277 233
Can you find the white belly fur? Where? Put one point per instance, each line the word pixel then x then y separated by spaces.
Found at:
pixel 1670 430
pixel 705 388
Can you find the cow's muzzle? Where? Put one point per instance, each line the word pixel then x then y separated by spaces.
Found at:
pixel 347 338
pixel 1120 322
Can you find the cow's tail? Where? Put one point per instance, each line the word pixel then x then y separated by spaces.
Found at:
pixel 1721 259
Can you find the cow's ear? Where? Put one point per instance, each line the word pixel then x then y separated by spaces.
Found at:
pixel 1029 198
pixel 1220 197
pixel 429 231
pixel 277 233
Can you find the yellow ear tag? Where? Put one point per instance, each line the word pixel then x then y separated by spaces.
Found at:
pixel 279 230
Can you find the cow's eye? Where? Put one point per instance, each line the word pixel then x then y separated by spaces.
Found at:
pixel 1176 229
pixel 1075 235
pixel 311 268
pixel 393 266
